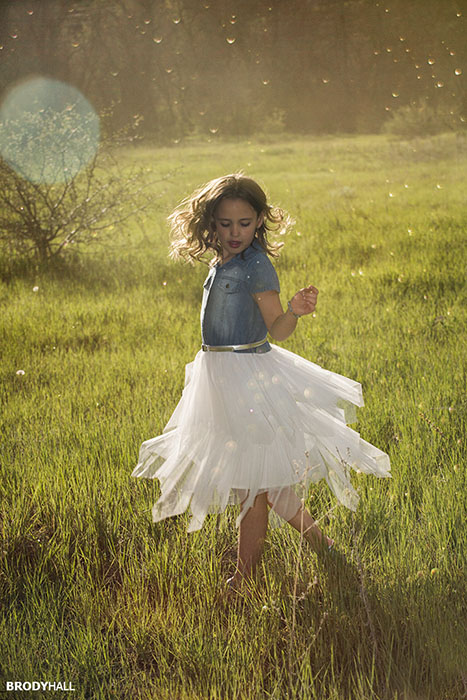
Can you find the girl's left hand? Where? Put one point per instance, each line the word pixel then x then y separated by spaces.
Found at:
pixel 304 301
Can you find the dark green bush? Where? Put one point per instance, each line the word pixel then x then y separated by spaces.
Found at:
pixel 421 119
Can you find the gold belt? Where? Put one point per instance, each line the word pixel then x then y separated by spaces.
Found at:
pixel 231 348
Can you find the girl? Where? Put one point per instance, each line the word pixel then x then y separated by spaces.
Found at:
pixel 256 424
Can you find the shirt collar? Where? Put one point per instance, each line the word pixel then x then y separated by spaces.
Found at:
pixel 251 250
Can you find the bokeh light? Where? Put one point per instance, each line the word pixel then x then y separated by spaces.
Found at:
pixel 48 130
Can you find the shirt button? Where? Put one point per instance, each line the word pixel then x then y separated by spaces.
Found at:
pixel 227 285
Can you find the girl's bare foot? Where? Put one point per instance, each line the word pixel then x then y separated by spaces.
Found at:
pixel 237 588
pixel 233 584
pixel 318 540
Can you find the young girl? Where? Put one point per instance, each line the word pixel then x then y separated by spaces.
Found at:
pixel 256 424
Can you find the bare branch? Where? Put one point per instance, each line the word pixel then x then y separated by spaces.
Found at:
pixel 44 219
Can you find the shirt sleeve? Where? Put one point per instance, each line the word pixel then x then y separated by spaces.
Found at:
pixel 261 275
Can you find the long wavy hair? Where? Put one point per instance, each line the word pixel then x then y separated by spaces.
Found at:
pixel 191 223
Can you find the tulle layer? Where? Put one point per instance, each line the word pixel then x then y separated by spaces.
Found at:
pixel 248 423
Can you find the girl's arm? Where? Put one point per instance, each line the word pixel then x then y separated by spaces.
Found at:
pixel 281 324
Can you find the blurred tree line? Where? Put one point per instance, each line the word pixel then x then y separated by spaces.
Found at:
pixel 237 67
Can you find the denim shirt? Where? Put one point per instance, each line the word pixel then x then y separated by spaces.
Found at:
pixel 229 314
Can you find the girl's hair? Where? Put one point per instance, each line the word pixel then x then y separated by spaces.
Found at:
pixel 191 221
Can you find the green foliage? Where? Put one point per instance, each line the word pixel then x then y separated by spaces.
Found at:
pixel 423 120
pixel 95 594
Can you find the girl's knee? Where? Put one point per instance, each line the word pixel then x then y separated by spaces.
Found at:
pixel 285 502
pixel 260 499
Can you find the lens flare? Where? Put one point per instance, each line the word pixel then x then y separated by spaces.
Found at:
pixel 48 130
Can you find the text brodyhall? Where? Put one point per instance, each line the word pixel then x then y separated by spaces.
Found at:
pixel 25 686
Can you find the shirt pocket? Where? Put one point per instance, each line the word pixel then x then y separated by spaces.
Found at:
pixel 229 285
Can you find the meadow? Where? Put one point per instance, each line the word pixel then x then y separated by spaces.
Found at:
pixel 93 353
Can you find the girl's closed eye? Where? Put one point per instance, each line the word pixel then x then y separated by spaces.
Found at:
pixel 242 223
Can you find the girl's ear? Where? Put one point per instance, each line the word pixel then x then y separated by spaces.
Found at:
pixel 260 221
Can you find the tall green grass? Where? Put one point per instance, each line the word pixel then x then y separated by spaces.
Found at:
pixel 95 594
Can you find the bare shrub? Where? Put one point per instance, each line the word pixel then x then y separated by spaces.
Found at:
pixel 45 220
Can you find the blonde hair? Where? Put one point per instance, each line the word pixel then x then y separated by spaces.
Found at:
pixel 191 221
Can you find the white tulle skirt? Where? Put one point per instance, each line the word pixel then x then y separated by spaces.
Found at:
pixel 248 423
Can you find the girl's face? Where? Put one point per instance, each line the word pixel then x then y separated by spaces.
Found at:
pixel 235 223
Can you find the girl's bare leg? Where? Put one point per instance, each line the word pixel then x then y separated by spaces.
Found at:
pixel 252 533
pixel 303 522
pixel 284 502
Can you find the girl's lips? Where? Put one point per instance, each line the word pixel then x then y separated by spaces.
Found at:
pixel 235 244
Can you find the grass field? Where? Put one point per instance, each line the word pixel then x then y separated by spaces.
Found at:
pixel 96 595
